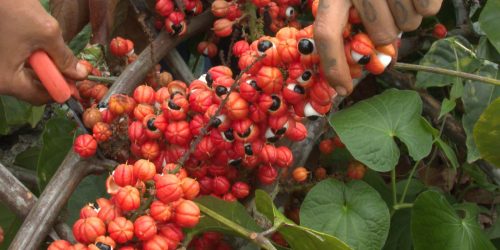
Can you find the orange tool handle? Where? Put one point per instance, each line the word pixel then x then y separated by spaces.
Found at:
pixel 50 76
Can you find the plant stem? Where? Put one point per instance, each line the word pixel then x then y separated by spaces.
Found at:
pixel 408 182
pixel 402 206
pixel 393 182
pixel 109 79
pixel 442 71
pixel 262 242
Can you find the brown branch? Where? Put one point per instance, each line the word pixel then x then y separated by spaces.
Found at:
pixel 26 176
pixel 20 200
pixel 135 72
pixel 178 67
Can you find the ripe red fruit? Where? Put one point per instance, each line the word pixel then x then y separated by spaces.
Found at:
pixel 220 8
pixel 223 27
pixel 229 197
pixel 144 170
pixel 337 142
pixel 168 188
pixel 121 230
pixel 124 175
pixel 128 198
pixel 145 227
pixel 439 31
pixel 56 245
pixel 239 47
pixel 208 49
pixel 268 154
pixel 164 7
pixel 206 185
pixel 121 47
pixel 326 146
pixel 236 107
pixel 300 174
pixel 221 185
pixel 240 190
pixel 172 233
pixel 121 104
pixel 150 150
pixel 190 188
pixel 356 170
pixel 144 94
pixel 178 133
pixel 85 145
pixel 88 229
pixel 101 131
pixel 320 173
pixel 87 211
pixel 103 241
pixel 267 174
pixel 175 24
pixel 270 79
pixel 91 116
pixel 187 214
pixel 108 213
pixel 284 157
pixel 157 242
pixel 160 211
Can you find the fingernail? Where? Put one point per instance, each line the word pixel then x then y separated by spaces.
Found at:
pixel 81 69
pixel 341 91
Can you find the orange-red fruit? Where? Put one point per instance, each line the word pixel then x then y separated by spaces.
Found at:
pixel 267 174
pixel 124 175
pixel 101 131
pixel 85 145
pixel 356 170
pixel 172 233
pixel 150 150
pixel 121 104
pixel 300 174
pixel 78 246
pixel 439 31
pixel 320 173
pixel 121 230
pixel 220 8
pixel 164 7
pixel 206 48
pixel 160 211
pixel 236 106
pixel 168 188
pixel 240 190
pixel 87 211
pixel 157 242
pixel 91 116
pixel 144 94
pixel 128 198
pixel 270 79
pixel 88 229
pixel 187 214
pixel 144 170
pixel 108 213
pixel 121 47
pixel 326 146
pixel 221 185
pixel 56 245
pixel 105 240
pixel 145 227
pixel 190 188
pixel 223 27
pixel 240 47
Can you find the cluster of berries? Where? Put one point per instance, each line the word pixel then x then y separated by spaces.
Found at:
pixel 174 20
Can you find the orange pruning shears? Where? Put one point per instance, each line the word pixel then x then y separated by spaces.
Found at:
pixel 57 86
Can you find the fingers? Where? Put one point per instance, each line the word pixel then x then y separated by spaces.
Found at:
pixel 328 26
pixel 25 87
pixel 427 7
pixel 377 20
pixel 60 53
pixel 405 15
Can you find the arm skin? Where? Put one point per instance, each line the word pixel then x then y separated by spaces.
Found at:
pixel 382 19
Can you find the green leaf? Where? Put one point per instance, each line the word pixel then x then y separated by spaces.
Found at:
pixel 448 152
pixel 400 233
pixel 446 107
pixel 10 224
pixel 354 212
pixel 81 39
pixel 486 51
pixel 233 211
pixel 57 139
pixel 28 158
pixel 373 179
pixel 45 4
pixel 489 22
pixel 477 96
pixel 415 187
pixel 15 113
pixel 436 226
pixel 298 237
pixel 90 189
pixel 454 53
pixel 368 128
pixel 479 177
pixel 487 133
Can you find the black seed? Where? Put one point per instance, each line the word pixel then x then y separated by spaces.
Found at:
pixel 209 80
pixel 263 45
pixel 102 246
pixel 253 83
pixel 151 124
pixel 306 76
pixel 102 105
pixel 299 89
pixel 280 131
pixel 229 134
pixel 217 122
pixel 248 149
pixel 364 60
pixel 172 105
pixel 177 28
pixel 273 139
pixel 235 162
pixel 246 134
pixel 96 206
pixel 276 103
pixel 290 11
pixel 313 117
pixel 306 46
pixel 220 90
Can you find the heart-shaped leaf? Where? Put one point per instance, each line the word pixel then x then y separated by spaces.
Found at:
pixel 477 96
pixel 298 237
pixel 354 212
pixel 454 53
pixel 487 133
pixel 489 22
pixel 400 233
pixel 436 226
pixel 368 128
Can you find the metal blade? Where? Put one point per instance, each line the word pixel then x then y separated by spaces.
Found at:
pixel 77 112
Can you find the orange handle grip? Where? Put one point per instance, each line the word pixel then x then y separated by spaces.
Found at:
pixel 50 76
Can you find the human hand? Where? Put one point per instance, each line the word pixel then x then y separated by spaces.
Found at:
pixel 26 27
pixel 382 20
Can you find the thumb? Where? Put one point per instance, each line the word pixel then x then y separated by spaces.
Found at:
pixel 330 20
pixel 63 57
